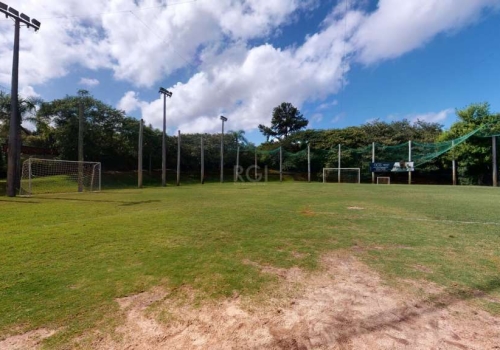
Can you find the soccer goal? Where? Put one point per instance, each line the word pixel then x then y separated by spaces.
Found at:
pixel 42 176
pixel 342 175
pixel 383 180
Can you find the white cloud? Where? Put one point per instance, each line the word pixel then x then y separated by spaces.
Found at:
pixel 338 117
pixel 213 41
pixel 397 27
pixel 89 82
pixel 327 105
pixel 432 117
pixel 129 102
pixel 316 118
pixel 28 91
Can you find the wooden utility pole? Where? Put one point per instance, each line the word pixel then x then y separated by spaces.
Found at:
pixel 139 158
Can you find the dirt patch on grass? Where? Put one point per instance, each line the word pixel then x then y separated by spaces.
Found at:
pixel 345 306
pixel 355 208
pixel 29 340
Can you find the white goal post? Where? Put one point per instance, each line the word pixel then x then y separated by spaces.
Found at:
pixel 383 180
pixel 43 176
pixel 342 175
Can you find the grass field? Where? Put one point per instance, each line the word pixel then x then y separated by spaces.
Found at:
pixel 64 259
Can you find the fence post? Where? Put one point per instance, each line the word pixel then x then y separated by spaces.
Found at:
pixel 281 163
pixel 338 171
pixel 373 161
pixel 237 163
pixel 495 168
pixel 308 162
pixel 179 158
pixel 139 160
pixel 29 167
pixel 202 162
pixel 409 160
pixel 454 164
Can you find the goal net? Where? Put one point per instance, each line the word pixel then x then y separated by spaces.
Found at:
pixel 383 180
pixel 41 176
pixel 342 175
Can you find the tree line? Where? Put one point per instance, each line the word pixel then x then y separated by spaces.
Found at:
pixel 111 137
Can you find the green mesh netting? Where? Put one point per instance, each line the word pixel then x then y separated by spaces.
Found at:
pixel 361 157
pixel 425 152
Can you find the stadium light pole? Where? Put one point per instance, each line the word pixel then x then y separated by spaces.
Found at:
pixel 165 93
pixel 224 119
pixel 14 154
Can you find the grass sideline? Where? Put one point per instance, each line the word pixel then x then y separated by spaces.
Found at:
pixel 65 258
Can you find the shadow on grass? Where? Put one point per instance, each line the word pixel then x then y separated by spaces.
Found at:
pixel 123 203
pixel 406 314
pixel 19 201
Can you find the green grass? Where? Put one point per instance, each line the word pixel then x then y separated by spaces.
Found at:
pixel 65 258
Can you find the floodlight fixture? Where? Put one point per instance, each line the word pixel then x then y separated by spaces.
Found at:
pixel 224 119
pixel 4 8
pixel 13 12
pixel 36 24
pixel 165 92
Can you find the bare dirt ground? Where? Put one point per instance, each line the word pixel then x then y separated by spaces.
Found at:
pixel 345 306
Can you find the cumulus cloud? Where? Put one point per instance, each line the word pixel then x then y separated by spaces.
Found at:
pixel 89 82
pixel 142 42
pixel 129 102
pixel 397 27
pixel 28 91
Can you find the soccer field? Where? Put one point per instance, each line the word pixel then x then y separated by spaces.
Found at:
pixel 65 259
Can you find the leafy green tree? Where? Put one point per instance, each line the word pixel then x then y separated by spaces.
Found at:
pixel 474 156
pixel 109 135
pixel 286 121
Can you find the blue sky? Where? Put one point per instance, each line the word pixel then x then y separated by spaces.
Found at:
pixel 387 59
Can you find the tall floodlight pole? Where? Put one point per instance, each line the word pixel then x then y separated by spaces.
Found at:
pixel 15 122
pixel 224 119
pixel 165 93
